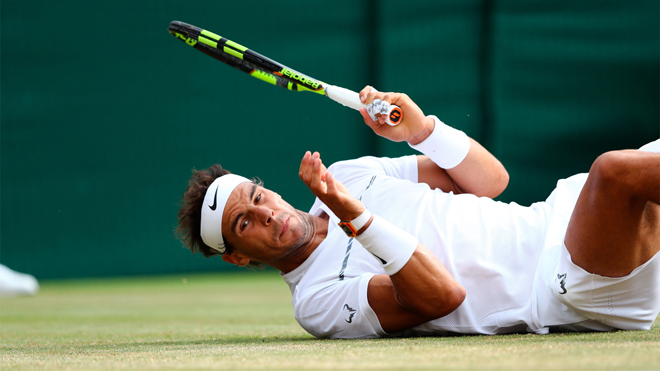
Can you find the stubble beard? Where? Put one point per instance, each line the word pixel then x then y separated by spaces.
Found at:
pixel 308 228
pixel 297 247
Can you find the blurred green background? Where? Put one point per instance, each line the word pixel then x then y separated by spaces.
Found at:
pixel 104 114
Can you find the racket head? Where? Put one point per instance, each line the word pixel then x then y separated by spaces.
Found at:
pixel 244 59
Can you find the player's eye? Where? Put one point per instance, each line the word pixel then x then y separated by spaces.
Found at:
pixel 256 200
pixel 244 225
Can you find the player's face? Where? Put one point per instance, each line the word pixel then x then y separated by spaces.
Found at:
pixel 259 224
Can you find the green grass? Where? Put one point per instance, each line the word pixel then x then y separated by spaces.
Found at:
pixel 245 321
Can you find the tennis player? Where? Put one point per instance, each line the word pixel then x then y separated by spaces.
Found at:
pixel 417 246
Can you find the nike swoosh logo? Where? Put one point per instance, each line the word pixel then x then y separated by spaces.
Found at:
pixel 379 258
pixel 215 201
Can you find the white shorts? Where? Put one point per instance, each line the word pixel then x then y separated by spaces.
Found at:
pixel 625 303
pixel 569 298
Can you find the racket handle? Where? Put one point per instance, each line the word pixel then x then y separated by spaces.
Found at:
pixel 351 99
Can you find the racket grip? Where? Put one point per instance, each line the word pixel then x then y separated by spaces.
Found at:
pixel 351 99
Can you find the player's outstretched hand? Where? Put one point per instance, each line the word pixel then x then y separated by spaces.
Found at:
pixel 329 190
pixel 414 127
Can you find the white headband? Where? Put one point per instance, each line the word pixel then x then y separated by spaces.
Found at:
pixel 213 208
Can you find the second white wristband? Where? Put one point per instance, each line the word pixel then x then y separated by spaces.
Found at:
pixel 446 146
pixel 391 245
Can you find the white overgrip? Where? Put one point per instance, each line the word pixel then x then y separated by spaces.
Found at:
pixel 351 99
pixel 343 96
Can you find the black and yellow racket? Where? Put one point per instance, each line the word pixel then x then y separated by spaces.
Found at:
pixel 272 72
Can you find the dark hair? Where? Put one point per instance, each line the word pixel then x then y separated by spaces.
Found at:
pixel 190 210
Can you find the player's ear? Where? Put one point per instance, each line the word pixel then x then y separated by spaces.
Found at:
pixel 236 258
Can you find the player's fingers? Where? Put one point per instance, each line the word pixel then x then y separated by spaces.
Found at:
pixel 335 187
pixel 379 127
pixel 368 94
pixel 334 191
pixel 400 99
pixel 364 92
pixel 322 167
pixel 317 175
pixel 374 125
pixel 340 195
pixel 307 167
pixel 331 185
pixel 367 118
pixel 303 165
pixel 373 95
pixel 388 97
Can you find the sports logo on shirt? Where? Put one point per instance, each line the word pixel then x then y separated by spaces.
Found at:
pixel 562 277
pixel 351 313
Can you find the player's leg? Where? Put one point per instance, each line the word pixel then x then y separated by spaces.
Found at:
pixel 615 226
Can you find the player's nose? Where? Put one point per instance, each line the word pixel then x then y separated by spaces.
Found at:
pixel 263 214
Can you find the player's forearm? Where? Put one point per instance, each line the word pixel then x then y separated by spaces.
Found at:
pixel 480 173
pixel 421 291
pixel 425 287
pixel 418 286
pixel 455 162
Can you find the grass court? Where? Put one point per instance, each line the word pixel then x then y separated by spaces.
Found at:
pixel 244 321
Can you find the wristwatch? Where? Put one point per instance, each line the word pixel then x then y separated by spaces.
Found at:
pixel 351 227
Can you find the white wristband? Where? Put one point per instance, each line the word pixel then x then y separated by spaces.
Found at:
pixel 361 220
pixel 446 146
pixel 391 245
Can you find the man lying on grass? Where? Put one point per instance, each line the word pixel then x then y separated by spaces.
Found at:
pixel 416 245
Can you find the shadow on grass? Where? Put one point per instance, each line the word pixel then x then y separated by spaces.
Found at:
pixel 457 339
pixel 256 341
pixel 226 341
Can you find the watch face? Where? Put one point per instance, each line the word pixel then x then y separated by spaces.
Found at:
pixel 346 226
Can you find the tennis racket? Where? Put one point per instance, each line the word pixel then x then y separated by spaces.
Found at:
pixel 272 72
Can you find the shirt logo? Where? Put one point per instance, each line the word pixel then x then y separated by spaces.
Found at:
pixel 562 277
pixel 351 313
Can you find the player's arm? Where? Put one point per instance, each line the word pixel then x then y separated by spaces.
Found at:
pixel 423 290
pixel 455 162
pixel 417 287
